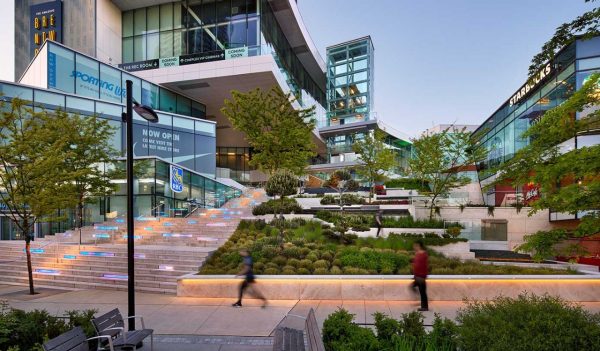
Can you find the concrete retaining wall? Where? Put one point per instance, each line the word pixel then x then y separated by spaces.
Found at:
pixel 377 287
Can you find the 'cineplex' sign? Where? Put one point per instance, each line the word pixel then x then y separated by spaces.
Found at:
pixel 186 59
pixel 525 89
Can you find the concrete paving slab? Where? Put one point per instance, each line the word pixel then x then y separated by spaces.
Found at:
pixel 179 319
pixel 375 306
pixel 245 321
pixel 357 308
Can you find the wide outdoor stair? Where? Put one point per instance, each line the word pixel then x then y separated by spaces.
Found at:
pixel 100 266
pixel 165 248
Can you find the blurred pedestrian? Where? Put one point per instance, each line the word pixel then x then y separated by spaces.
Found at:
pixel 247 272
pixel 379 221
pixel 420 267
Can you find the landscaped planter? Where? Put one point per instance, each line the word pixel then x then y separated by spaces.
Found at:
pixel 393 287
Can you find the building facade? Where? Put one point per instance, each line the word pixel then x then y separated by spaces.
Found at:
pixel 350 108
pixel 62 79
pixel 501 134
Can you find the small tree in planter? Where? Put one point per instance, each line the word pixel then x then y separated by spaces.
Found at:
pixel 341 181
pixel 283 183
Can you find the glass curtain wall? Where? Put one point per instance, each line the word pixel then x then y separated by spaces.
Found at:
pixel 182 140
pixel 349 82
pixel 201 26
pixel 71 72
pixel 236 159
pixel 186 27
pixel 502 133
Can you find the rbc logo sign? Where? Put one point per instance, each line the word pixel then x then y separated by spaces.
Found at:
pixel 176 179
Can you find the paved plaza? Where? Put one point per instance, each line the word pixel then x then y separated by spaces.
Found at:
pixel 187 323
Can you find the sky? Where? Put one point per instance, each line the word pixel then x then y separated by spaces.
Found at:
pixel 442 61
pixel 436 61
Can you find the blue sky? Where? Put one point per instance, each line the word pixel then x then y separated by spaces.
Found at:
pixel 442 61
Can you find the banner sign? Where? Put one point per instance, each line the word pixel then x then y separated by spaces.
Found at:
pixel 201 57
pixel 236 53
pixel 176 177
pixel 531 193
pixel 45 23
pixel 140 65
pixel 183 60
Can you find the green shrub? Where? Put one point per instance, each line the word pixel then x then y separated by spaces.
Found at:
pixel 321 264
pixel 280 260
pixel 321 271
pixel 347 199
pixel 288 270
pixel 340 334
pixel 408 183
pixel 335 270
pixel 271 271
pixel 527 323
pixel 327 255
pixel 294 262
pixel 305 263
pixel 293 252
pixel 275 207
pixel 303 270
pixel 21 330
pixel 312 256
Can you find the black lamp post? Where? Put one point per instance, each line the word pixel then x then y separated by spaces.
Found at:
pixel 151 116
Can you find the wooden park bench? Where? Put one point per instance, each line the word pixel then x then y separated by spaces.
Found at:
pixel 113 325
pixel 74 340
pixel 306 339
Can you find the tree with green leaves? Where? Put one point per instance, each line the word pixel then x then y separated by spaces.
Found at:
pixel 568 179
pixel 283 183
pixel 280 134
pixel 33 185
pixel 439 158
pixel 341 181
pixel 585 26
pixel 375 157
pixel 87 151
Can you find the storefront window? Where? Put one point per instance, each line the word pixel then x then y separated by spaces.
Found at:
pixel 61 67
pixel 87 81
pixel 110 88
pixel 168 100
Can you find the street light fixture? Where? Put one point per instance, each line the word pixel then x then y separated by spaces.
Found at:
pixel 148 114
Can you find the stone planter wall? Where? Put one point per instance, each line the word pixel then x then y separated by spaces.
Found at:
pixel 373 288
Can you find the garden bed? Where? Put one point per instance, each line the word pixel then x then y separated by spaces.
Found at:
pixel 307 247
pixel 393 287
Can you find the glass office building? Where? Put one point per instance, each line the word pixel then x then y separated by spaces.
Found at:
pixel 80 84
pixel 63 79
pixel 501 134
pixel 350 82
pixel 212 26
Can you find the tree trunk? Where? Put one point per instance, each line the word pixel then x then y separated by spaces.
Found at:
pixel 371 191
pixel 28 253
pixel 80 217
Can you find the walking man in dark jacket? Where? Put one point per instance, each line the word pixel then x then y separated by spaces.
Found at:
pixel 379 221
pixel 420 266
pixel 248 274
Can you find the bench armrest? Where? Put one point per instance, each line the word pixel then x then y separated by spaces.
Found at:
pixel 121 329
pixel 110 343
pixel 140 318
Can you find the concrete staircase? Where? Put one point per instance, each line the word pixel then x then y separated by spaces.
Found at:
pixel 166 248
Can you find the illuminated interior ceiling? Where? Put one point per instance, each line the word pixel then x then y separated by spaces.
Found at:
pixel 213 92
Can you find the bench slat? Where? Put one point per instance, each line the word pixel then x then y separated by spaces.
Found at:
pixel 73 340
